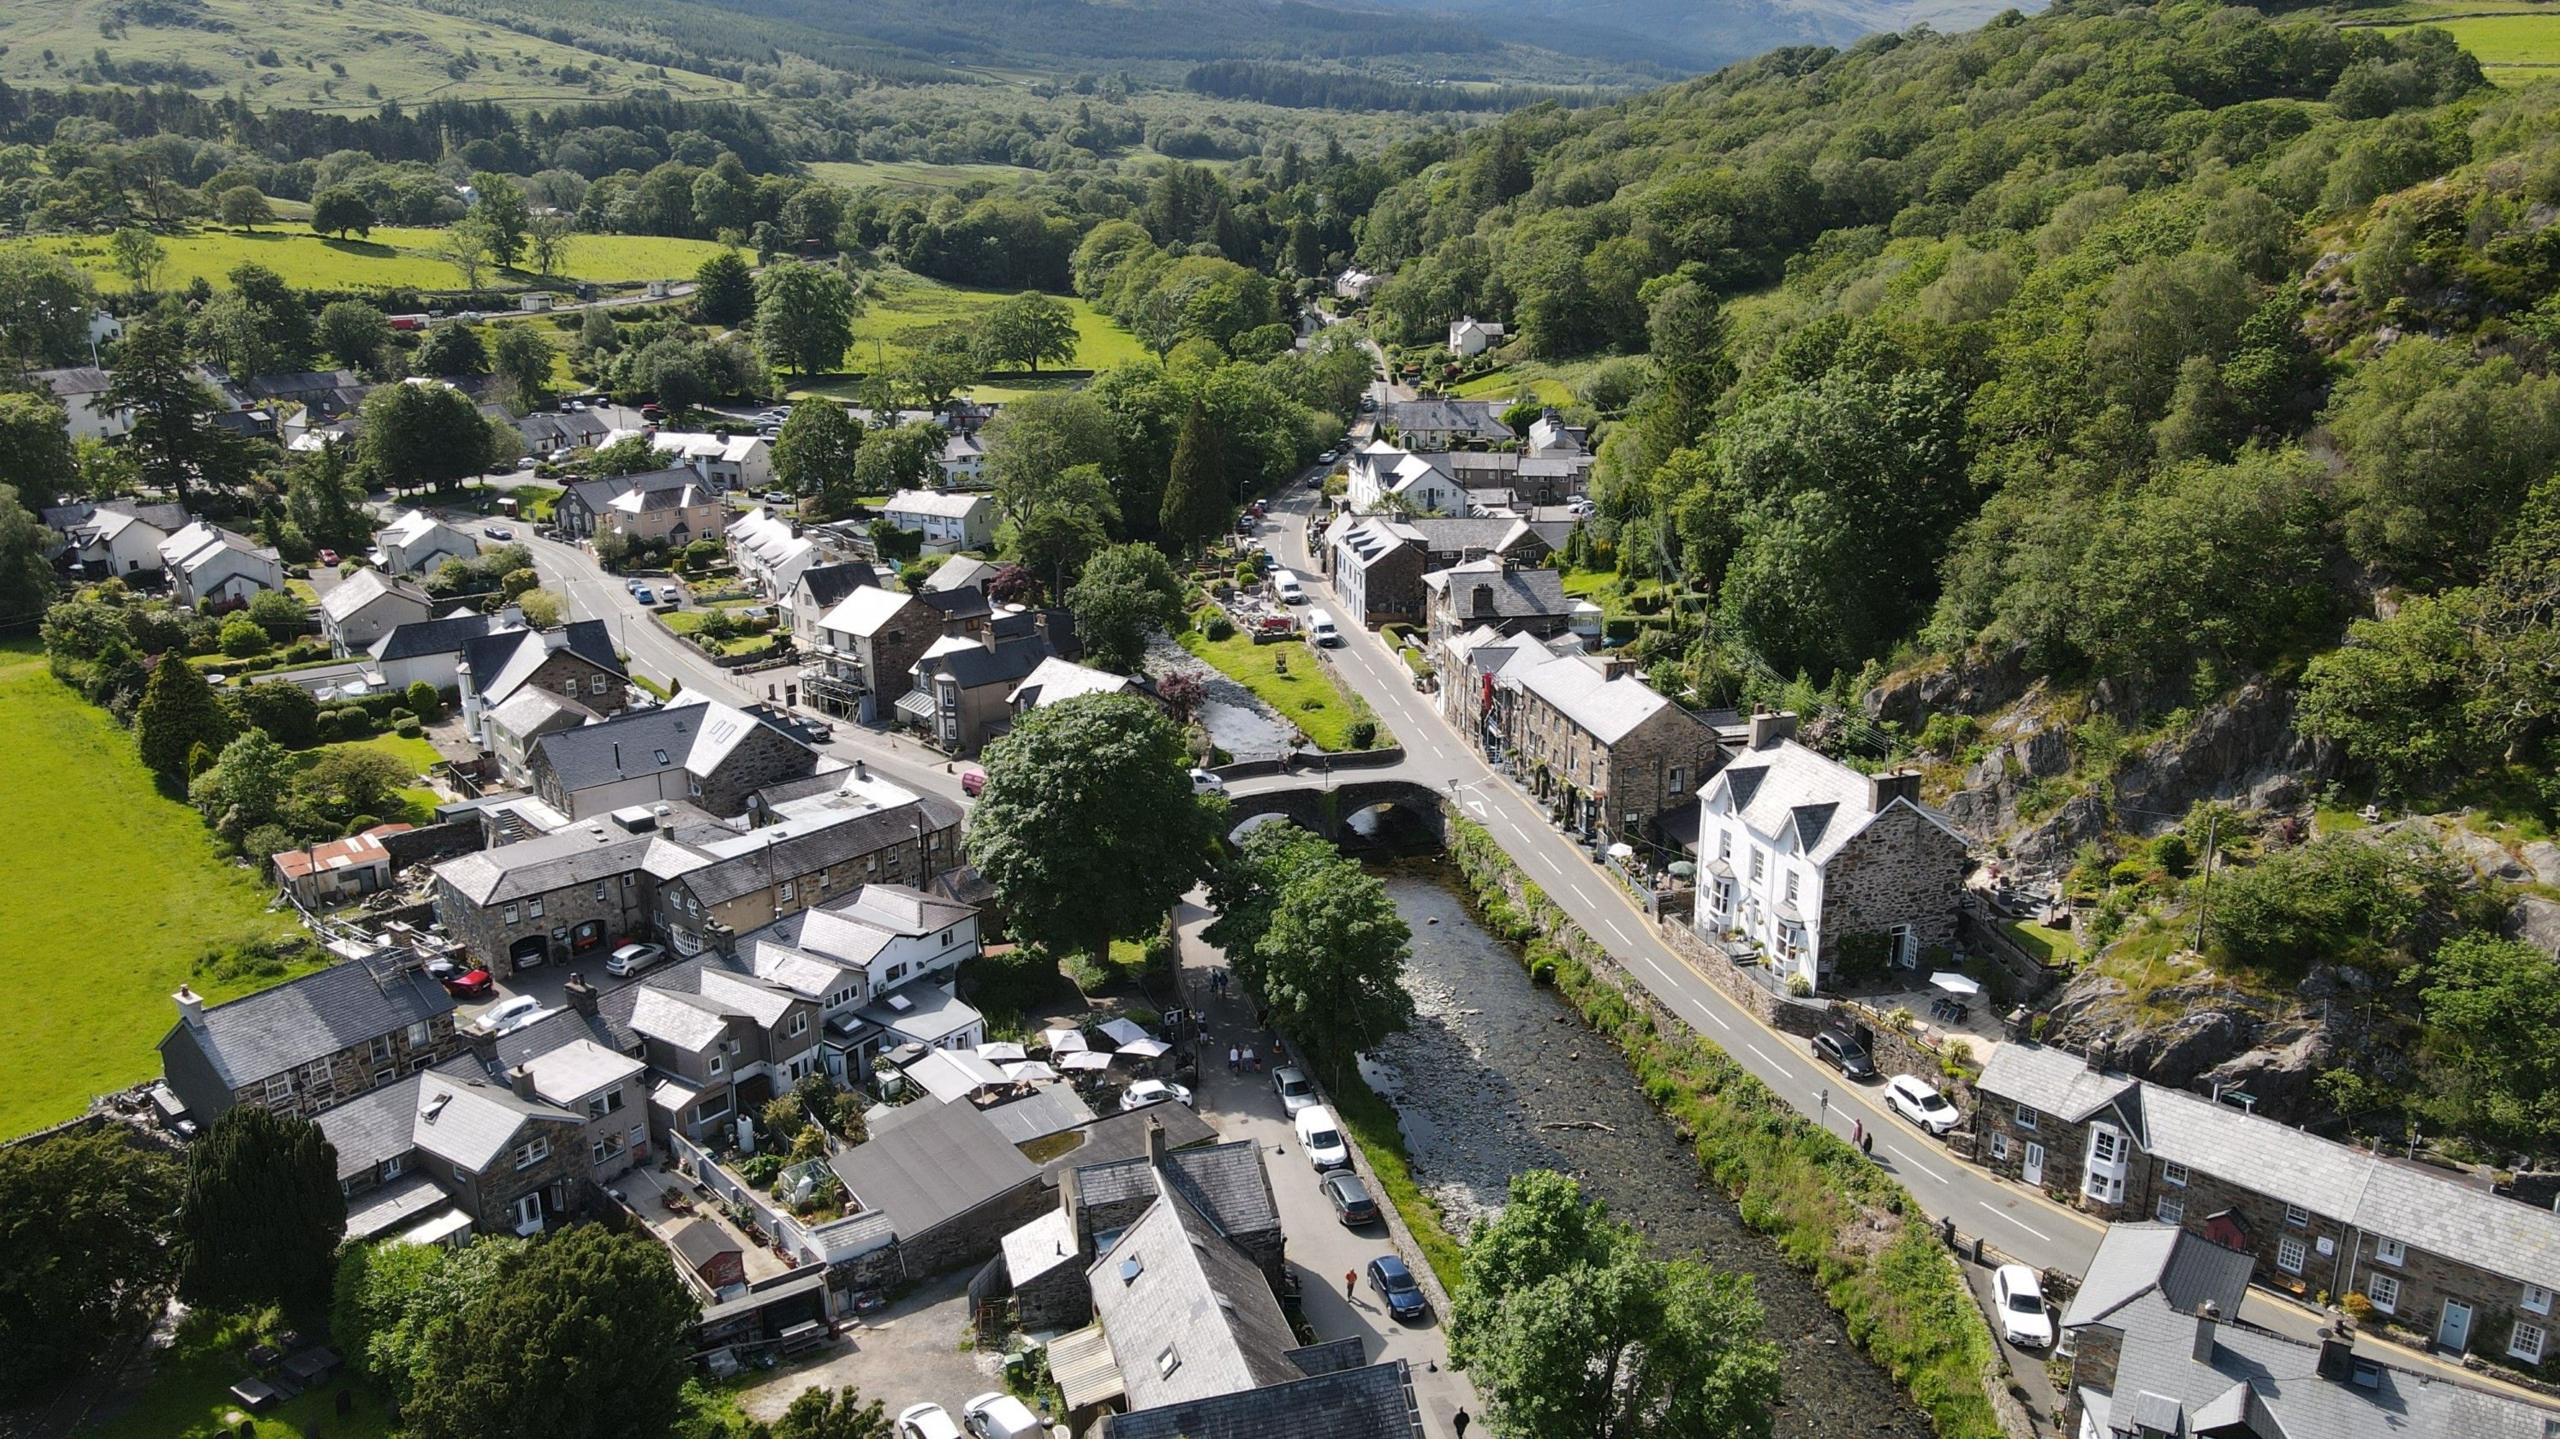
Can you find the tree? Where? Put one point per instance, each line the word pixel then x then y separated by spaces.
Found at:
pixel 261 1215
pixel 138 256
pixel 542 609
pixel 938 367
pixel 815 452
pixel 1182 693
pixel 724 290
pixel 392 1300
pixel 547 239
pixel 1056 538
pixel 323 500
pixel 178 712
pixel 832 1414
pixel 1087 826
pixel 2492 1049
pixel 580 1337
pixel 424 702
pixel 503 216
pixel 341 211
pixel 35 445
pixel 243 637
pixel 247 785
pixel 84 1218
pixel 523 359
pixel 348 784
pixel 2440 450
pixel 45 304
pixel 903 457
pixel 353 333
pixel 244 208
pixel 1570 1330
pixel 422 436
pixel 1331 965
pixel 452 349
pixel 465 245
pixel 26 580
pixel 156 384
pixel 283 320
pixel 1027 329
pixel 2344 899
pixel 1126 593
pixel 804 316
pixel 630 455
pixel 1195 508
pixel 1035 440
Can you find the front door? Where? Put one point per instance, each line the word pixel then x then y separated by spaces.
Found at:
pixel 2453 1331
pixel 2032 1171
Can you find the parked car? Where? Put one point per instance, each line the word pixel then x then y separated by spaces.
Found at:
pixel 1315 482
pixel 525 462
pixel 999 1416
pixel 1296 1090
pixel 1204 782
pixel 645 595
pixel 1328 457
pixel 1153 1091
pixel 2016 1293
pixel 926 1421
pixel 501 532
pixel 1919 1101
pixel 973 781
pixel 509 1015
pixel 1843 1052
pixel 1350 1198
pixel 1394 1283
pixel 780 497
pixel 329 558
pixel 633 958
pixel 1321 631
pixel 635 586
pixel 466 983
pixel 1320 1135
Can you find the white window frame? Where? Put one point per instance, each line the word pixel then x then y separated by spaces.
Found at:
pixel 2517 1348
pixel 2292 1254
pixel 2026 1116
pixel 533 1151
pixel 2297 1217
pixel 1999 1145
pixel 2172 1172
pixel 528 1213
pixel 2536 1300
pixel 595 684
pixel 510 914
pixel 279 1088
pixel 533 907
pixel 2170 1210
pixel 2384 1292
pixel 717 1064
pixel 2389 1251
pixel 790 891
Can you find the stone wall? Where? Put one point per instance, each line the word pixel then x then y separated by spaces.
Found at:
pixel 1902 869
pixel 487 934
pixel 1057 1300
pixel 1641 765
pixel 973 1237
pixel 1786 1013
pixel 434 842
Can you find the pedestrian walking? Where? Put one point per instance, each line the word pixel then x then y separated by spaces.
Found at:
pixel 1251 1063
pixel 1350 1284
pixel 1458 1423
pixel 1857 1131
pixel 1867 1145
pixel 1231 1059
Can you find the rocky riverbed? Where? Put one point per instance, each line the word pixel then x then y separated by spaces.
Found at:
pixel 1498 1076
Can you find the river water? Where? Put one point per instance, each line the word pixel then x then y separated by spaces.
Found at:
pixel 1497 1076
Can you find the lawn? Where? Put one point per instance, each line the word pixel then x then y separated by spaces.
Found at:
pixel 393 257
pixel 1509 385
pixel 418 755
pixel 686 622
pixel 2516 49
pixel 1305 695
pixel 909 174
pixel 189 1395
pixel 901 308
pixel 2049 946
pixel 96 856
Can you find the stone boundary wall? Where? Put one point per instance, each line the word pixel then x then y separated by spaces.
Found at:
pixel 1803 1018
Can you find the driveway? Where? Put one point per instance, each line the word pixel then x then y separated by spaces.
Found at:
pixel 908 1353
pixel 1321 1250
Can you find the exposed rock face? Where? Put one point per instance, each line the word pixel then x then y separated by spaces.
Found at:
pixel 1974 683
pixel 2536 921
pixel 2273 1051
pixel 2543 858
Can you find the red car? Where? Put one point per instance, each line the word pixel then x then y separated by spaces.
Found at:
pixel 329 558
pixel 469 984
pixel 972 780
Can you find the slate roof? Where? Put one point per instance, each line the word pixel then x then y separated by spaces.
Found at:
pixel 828 585
pixel 1374 1401
pixel 1517 593
pixel 975 666
pixel 1055 681
pixel 865 610
pixel 362 588
pixel 432 637
pixel 1189 1314
pixel 939 504
pixel 1482 418
pixel 447 1113
pixel 683 1020
pixel 797 845
pixel 571 856
pixel 1122 1136
pixel 964 603
pixel 927 1164
pixel 502 662
pixel 2185 1268
pixel 300 1020
pixel 933 1013
pixel 402 1202
pixel 1048 1109
pixel 571 1072
pixel 1608 708
pixel 960 572
pixel 1787 791
pixel 596 495
pixel 1226 1182
pixel 1497 534
pixel 2053 1081
pixel 696 735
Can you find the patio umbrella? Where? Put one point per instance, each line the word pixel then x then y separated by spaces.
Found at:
pixel 1030 1071
pixel 1002 1052
pixel 1954 983
pixel 1683 869
pixel 1064 1041
pixel 1083 1059
pixel 1622 851
pixel 1146 1048
pixel 1122 1031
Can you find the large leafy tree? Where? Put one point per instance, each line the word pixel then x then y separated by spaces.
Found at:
pixel 804 316
pixel 285 322
pixel 84 1227
pixel 503 214
pixel 156 384
pixel 138 256
pixel 832 1414
pixel 248 784
pixel 35 448
pixel 1035 440
pixel 178 713
pixel 1027 329
pixel 1125 595
pixel 1315 937
pixel 724 290
pixel 1195 506
pixel 1087 827
pixel 341 211
pixel 902 457
pixel 582 1337
pixel 26 580
pixel 354 334
pixel 454 349
pixel 422 436
pixel 45 303
pixel 2492 1050
pixel 1060 533
pixel 815 452
pixel 261 1216
pixel 1570 1330
pixel 523 359
pixel 2440 451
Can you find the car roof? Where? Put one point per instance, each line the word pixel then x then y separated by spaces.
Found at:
pixel 1391 1266
pixel 1289 1071
pixel 2016 1272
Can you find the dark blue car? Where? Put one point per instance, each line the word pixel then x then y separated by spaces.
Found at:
pixel 1394 1284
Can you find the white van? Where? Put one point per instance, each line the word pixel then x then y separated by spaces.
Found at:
pixel 1320 1135
pixel 1321 630
pixel 1285 585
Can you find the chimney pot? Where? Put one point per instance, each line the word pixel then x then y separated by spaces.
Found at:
pixel 190 1006
pixel 1883 789
pixel 580 994
pixel 2208 1319
pixel 522 1078
pixel 1769 728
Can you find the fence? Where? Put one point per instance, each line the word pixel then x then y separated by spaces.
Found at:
pixel 829 1243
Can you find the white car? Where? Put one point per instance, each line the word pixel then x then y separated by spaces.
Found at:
pixel 1153 1091
pixel 1320 1135
pixel 1296 1090
pixel 1916 1100
pixel 926 1421
pixel 633 958
pixel 999 1416
pixel 2024 1321
pixel 1204 782
pixel 509 1015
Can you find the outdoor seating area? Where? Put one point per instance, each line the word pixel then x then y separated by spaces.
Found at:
pixel 1943 1005
pixel 284 1370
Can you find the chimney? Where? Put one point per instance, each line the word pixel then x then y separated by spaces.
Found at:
pixel 862 769
pixel 1884 789
pixel 1071 1203
pixel 190 1006
pixel 1768 728
pixel 1155 1144
pixel 522 1078
pixel 1614 667
pixel 2208 1319
pixel 580 994
pixel 1481 601
pixel 2337 1356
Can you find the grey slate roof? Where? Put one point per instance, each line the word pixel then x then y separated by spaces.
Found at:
pixel 1120 1136
pixel 804 847
pixel 301 1020
pixel 449 1112
pixel 827 585
pixel 1472 417
pixel 1516 593
pixel 927 1164
pixel 1048 1109
pixel 1375 1401
pixel 628 745
pixel 432 637
pixel 500 662
pixel 2181 1266
pixel 1225 1182
pixel 595 495
pixel 371 1128
pixel 978 666
pixel 1189 1315
pixel 570 856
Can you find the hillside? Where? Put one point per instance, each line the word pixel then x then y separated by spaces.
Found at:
pixel 2116 412
pixel 1682 35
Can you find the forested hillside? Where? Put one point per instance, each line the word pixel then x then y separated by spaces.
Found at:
pixel 2159 401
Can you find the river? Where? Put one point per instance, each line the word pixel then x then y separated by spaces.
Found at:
pixel 1497 1076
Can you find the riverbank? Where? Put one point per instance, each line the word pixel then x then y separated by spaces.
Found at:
pixel 1831 1212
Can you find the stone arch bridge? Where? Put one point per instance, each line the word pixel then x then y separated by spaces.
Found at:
pixel 1313 805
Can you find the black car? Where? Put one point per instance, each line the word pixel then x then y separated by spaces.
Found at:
pixel 1394 1284
pixel 1351 1202
pixel 1843 1052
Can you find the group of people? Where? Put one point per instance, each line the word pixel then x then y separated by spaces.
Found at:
pixel 1243 1061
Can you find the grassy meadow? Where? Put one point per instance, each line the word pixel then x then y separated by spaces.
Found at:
pixel 393 257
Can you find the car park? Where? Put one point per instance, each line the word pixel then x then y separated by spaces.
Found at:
pixel 1843 1052
pixel 645 595
pixel 1206 782
pixel 1153 1091
pixel 1393 1283
pixel 509 1015
pixel 1320 1135
pixel 633 958
pixel 1350 1199
pixel 2019 1297
pixel 999 1416
pixel 926 1421
pixel 1296 1090
pixel 1919 1101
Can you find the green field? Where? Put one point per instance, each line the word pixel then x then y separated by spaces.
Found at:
pixel 2515 43
pixel 393 258
pixel 388 51
pixel 1305 696
pixel 1508 385
pixel 108 894
pixel 189 1396
pixel 417 754
pixel 900 309
pixel 909 174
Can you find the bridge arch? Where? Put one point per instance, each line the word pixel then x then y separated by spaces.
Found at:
pixel 1327 811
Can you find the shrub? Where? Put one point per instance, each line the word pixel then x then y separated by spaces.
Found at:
pixel 243 637
pixel 2359 1308
pixel 1799 986
pixel 425 703
pixel 402 716
pixel 1214 625
pixel 1363 732
pixel 408 729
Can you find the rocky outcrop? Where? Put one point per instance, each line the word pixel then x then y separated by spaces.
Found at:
pixel 1975 683
pixel 2536 921
pixel 2216 1035
pixel 2020 746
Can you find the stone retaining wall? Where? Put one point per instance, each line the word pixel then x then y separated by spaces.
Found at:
pixel 1786 1013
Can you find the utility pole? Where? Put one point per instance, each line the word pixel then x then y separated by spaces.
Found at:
pixel 2204 878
